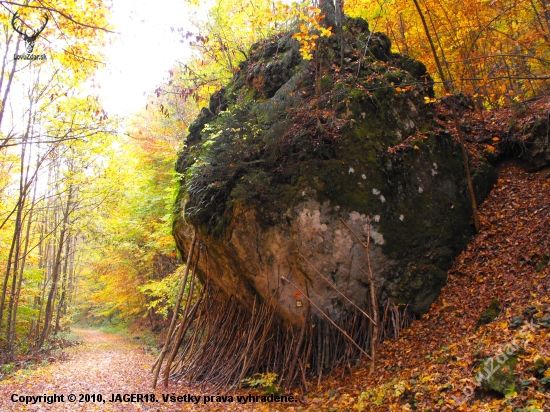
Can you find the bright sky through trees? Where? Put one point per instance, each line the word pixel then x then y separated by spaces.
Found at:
pixel 141 55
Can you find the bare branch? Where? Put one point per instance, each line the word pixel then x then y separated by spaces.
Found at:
pixel 335 288
pixel 329 319
pixel 54 10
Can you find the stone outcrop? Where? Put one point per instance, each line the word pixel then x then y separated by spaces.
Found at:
pixel 287 149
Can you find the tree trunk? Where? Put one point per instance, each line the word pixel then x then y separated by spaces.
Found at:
pixel 12 267
pixel 48 315
pixel 7 91
pixel 432 46
pixel 62 298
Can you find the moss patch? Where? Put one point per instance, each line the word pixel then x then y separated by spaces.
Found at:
pixel 498 375
pixel 489 314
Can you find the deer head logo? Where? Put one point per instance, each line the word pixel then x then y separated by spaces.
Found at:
pixel 29 40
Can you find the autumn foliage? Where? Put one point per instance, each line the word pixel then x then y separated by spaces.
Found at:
pixel 86 210
pixel 496 50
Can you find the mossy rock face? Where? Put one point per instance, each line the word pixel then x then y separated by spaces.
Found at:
pixel 537 146
pixel 286 150
pixel 498 374
pixel 528 142
pixel 489 314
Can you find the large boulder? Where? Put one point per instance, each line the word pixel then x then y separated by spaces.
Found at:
pixel 290 147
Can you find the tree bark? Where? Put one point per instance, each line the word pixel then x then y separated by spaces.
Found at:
pixel 56 270
pixel 62 298
pixel 432 46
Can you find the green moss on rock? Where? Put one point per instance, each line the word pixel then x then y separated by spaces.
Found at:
pixel 489 314
pixel 499 375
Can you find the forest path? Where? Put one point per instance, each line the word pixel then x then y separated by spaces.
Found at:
pixel 104 364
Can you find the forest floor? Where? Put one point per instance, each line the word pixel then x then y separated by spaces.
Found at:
pixel 109 365
pixel 103 364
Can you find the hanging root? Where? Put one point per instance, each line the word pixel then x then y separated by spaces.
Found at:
pixel 224 343
pixel 395 319
pixel 219 342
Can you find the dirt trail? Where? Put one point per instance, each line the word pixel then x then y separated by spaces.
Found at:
pixel 108 365
pixel 103 364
